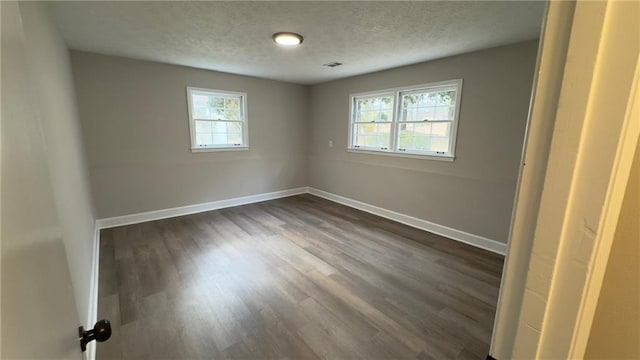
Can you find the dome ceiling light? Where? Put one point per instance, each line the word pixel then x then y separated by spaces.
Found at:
pixel 287 39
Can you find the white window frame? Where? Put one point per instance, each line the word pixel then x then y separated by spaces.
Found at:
pixel 393 149
pixel 244 121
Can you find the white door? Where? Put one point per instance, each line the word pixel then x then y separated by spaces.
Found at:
pixel 39 317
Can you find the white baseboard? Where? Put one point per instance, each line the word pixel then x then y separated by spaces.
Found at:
pixel 193 209
pixel 465 237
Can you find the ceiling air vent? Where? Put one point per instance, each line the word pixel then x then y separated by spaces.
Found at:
pixel 333 64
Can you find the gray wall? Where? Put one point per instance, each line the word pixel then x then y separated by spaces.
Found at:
pixel 472 194
pixel 135 124
pixel 47 217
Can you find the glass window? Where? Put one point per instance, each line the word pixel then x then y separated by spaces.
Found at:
pixel 424 123
pixel 217 119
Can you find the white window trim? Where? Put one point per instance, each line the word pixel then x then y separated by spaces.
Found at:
pixel 393 147
pixel 401 154
pixel 245 122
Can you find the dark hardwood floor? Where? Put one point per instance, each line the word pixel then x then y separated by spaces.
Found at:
pixel 294 278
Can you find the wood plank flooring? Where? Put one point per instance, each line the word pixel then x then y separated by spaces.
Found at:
pixel 294 278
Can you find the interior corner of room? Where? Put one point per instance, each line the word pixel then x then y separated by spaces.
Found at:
pixel 442 204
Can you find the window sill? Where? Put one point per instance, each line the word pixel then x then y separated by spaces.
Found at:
pixel 410 156
pixel 213 149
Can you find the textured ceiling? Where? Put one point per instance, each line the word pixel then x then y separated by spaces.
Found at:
pixel 236 36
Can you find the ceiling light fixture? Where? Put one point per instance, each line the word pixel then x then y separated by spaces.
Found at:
pixel 287 39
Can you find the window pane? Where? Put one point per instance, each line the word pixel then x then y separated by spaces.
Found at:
pixel 425 113
pixel 235 133
pixel 444 113
pixel 225 133
pixel 203 127
pixel 204 139
pixel 234 127
pixel 428 105
pixel 447 97
pixel 372 135
pixel 233 109
pixel 200 107
pixel 432 137
pixel 373 109
pixel 216 106
pixel 216 101
pixel 218 133
pixel 219 127
pixel 218 114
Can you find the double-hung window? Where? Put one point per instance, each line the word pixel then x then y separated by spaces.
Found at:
pixel 217 119
pixel 415 121
pixel 372 119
